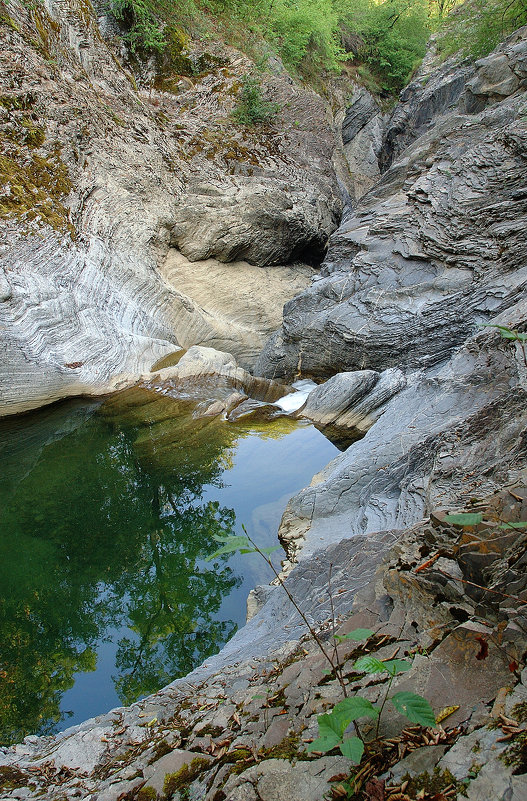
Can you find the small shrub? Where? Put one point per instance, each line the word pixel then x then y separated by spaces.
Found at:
pixel 333 725
pixel 252 109
pixel 144 32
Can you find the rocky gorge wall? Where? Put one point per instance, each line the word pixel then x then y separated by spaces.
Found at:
pixel 434 249
pixel 432 252
pixel 103 180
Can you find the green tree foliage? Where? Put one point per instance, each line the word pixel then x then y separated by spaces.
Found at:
pixel 143 29
pixel 478 26
pixel 390 37
pixel 308 35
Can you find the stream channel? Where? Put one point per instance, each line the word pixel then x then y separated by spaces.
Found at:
pixel 107 511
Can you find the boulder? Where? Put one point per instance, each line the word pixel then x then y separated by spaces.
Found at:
pixel 207 373
pixel 330 401
pixel 279 780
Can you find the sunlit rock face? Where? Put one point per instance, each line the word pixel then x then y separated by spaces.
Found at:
pixel 107 185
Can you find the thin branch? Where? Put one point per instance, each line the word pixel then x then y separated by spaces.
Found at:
pixel 382 706
pixel 338 666
pixel 296 606
pixel 481 587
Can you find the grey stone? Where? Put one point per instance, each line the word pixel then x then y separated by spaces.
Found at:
pixel 434 91
pixel 95 302
pixel 495 782
pixel 331 400
pixel 116 790
pixel 207 373
pixel 416 265
pixel 479 754
pixel 83 751
pixel 363 107
pixel 5 288
pixel 279 780
pixel 362 136
pixel 494 76
pixel 422 760
pixel 276 732
pixel 477 748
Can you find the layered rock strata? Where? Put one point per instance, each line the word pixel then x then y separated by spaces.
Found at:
pixel 101 180
pixel 435 250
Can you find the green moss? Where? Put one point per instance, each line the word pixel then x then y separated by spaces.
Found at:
pixel 184 776
pixel 162 749
pixel 115 117
pixel 43 43
pixel 5 19
pixel 146 794
pixel 519 712
pixel 18 101
pixel 431 783
pixel 287 749
pixel 516 754
pixel 32 188
pixel 12 778
pixel 173 61
pixel 33 135
pixel 239 758
pixel 211 731
pixel 162 119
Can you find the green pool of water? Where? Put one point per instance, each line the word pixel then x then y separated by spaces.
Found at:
pixel 107 512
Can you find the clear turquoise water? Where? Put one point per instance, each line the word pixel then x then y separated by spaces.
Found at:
pixel 106 517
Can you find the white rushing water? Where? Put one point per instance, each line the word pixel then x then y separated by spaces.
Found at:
pixel 295 400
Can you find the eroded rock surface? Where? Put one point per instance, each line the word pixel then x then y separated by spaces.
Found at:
pixel 434 249
pixel 363 130
pixel 101 180
pixel 233 307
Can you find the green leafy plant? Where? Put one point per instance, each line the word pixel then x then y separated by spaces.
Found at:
pixel 464 518
pixel 245 544
pixel 477 26
pixel 333 725
pixel 512 334
pixel 311 37
pixel 474 518
pixel 144 31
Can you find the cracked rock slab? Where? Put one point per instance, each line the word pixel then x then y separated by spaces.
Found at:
pixel 279 780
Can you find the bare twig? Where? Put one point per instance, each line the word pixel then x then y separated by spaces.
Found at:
pixel 296 606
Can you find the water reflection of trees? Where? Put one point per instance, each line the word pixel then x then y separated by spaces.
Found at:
pixel 109 529
pixel 172 600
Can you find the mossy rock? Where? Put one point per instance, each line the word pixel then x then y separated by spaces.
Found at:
pixel 174 60
pixel 33 188
pixel 432 783
pixel 7 20
pixel 184 776
pixel 516 754
pixel 146 794
pixel 12 778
